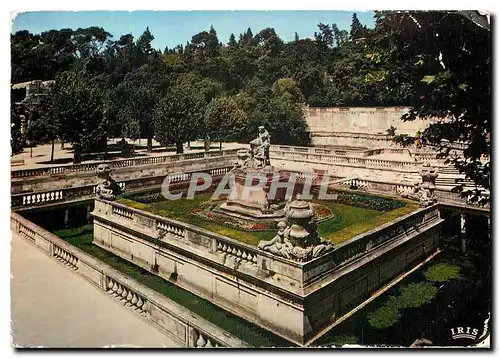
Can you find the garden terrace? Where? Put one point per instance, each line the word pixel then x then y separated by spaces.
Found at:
pixel 338 220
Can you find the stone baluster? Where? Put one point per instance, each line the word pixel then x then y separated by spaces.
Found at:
pixel 126 296
pixel 66 258
pixel 238 252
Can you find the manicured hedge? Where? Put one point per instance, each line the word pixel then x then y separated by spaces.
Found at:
pixel 368 201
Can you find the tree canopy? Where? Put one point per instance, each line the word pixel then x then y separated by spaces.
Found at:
pixel 436 62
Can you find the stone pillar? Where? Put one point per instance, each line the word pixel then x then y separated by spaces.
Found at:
pixel 88 212
pixel 66 217
pixel 463 232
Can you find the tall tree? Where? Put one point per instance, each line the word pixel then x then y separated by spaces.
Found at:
pixel 223 119
pixel 179 112
pixel 357 29
pixel 79 107
pixel 453 84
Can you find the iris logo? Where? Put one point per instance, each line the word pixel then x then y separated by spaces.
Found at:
pixel 464 332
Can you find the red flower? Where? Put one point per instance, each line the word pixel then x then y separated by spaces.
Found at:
pixel 422 97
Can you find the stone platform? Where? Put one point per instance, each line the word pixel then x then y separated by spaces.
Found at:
pixel 292 299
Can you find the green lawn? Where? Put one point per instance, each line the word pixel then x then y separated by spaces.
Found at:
pixel 82 238
pixel 348 222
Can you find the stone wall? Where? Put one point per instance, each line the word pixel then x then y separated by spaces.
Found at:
pixel 254 284
pixel 171 318
pixel 357 126
pixel 33 180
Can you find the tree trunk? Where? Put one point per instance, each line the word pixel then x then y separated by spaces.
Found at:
pixel 52 151
pixel 179 147
pixel 62 144
pixel 106 149
pixel 150 143
pixel 189 145
pixel 220 145
pixel 77 154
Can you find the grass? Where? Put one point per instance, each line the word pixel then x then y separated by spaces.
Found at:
pixel 82 237
pixel 348 222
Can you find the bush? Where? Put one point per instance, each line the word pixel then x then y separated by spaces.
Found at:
pixel 339 341
pixel 415 295
pixel 442 272
pixel 368 201
pixel 384 317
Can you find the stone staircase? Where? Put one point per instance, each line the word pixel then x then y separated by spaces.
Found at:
pixel 450 177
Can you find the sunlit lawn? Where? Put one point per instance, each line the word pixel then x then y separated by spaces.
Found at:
pixel 348 221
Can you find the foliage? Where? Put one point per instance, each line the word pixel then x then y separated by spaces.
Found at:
pixel 383 317
pixel 16 137
pixel 414 295
pixel 451 81
pixel 177 116
pixel 369 201
pixel 339 341
pixel 442 272
pixel 78 106
pixel 223 119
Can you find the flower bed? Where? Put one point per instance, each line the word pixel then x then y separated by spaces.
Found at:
pixel 207 210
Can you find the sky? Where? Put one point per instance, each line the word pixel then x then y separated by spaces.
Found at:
pixel 171 28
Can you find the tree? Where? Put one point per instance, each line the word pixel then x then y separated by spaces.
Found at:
pixel 453 85
pixel 223 119
pixel 179 112
pixel 357 29
pixel 79 106
pixel 232 41
pixel 43 126
pixel 16 137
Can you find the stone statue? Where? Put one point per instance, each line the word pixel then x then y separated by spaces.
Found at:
pixel 424 192
pixel 297 239
pixel 107 188
pixel 259 148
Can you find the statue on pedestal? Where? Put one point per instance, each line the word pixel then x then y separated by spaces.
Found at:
pixel 107 188
pixel 259 149
pixel 424 192
pixel 297 238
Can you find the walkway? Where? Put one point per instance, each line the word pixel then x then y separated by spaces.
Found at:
pixel 39 156
pixel 53 307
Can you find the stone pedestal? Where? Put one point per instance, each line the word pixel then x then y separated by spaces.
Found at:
pixel 255 203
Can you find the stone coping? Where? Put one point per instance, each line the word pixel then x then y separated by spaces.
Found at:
pixel 172 318
pixel 304 272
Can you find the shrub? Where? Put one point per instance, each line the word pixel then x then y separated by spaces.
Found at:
pixel 368 201
pixel 442 272
pixel 339 341
pixel 415 295
pixel 384 317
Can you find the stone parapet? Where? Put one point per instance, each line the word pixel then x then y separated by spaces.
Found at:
pixel 171 318
pixel 271 291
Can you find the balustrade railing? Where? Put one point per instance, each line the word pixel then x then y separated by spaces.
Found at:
pixel 62 195
pixel 152 306
pixel 317 156
pixel 177 230
pixel 120 163
pixel 362 244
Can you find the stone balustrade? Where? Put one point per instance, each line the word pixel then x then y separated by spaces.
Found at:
pixel 309 154
pixel 171 318
pixel 81 192
pixel 120 163
pixel 212 243
pixel 180 231
pixel 238 252
pixel 363 244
